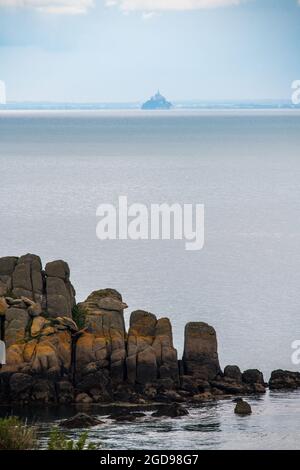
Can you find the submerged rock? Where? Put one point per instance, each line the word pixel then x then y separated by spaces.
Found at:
pixel 80 420
pixel 172 411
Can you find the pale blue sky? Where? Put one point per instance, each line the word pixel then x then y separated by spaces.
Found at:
pixel 87 50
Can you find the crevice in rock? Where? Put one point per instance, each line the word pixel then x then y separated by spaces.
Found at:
pixel 75 338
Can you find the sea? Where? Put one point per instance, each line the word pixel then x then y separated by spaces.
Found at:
pixel 58 165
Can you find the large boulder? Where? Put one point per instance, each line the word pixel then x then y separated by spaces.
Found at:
pixel 7 266
pixel 242 408
pixel 50 291
pixel 284 379
pixel 27 278
pixel 103 341
pixel 233 373
pixel 150 352
pixel 16 320
pixel 47 350
pixel 141 356
pixel 59 291
pixel 253 376
pixel 200 357
pixel 166 354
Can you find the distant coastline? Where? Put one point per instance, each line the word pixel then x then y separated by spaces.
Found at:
pixel 177 105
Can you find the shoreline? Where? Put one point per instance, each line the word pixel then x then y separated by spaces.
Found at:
pixel 61 351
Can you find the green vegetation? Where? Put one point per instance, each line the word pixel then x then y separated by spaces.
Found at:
pixel 79 314
pixel 58 440
pixel 16 434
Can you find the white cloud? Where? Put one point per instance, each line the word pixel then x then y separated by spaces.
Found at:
pixel 161 5
pixel 69 7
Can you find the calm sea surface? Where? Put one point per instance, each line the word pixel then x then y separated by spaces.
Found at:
pixel 57 167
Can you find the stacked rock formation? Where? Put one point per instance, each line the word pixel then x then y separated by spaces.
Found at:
pixel 50 289
pixel 61 352
pixel 150 352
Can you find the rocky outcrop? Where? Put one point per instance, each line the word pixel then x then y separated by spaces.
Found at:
pixel 284 380
pixel 102 345
pixel 60 352
pixel 46 348
pixel 7 267
pixel 27 278
pixel 60 294
pixel 151 355
pixel 50 290
pixel 200 357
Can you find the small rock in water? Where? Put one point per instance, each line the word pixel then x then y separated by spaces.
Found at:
pixel 242 407
pixel 80 420
pixel 172 411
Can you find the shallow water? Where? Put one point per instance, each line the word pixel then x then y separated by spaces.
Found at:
pixel 273 424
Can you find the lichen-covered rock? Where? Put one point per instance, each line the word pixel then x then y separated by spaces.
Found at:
pixel 37 325
pixel 47 348
pixel 200 357
pixel 103 343
pixel 49 291
pixel 150 352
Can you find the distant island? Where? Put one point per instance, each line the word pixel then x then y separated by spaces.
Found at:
pixel 157 102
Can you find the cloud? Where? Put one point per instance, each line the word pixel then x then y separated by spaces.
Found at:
pixel 163 5
pixel 67 7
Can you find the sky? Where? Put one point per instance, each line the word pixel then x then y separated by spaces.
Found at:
pixel 123 50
